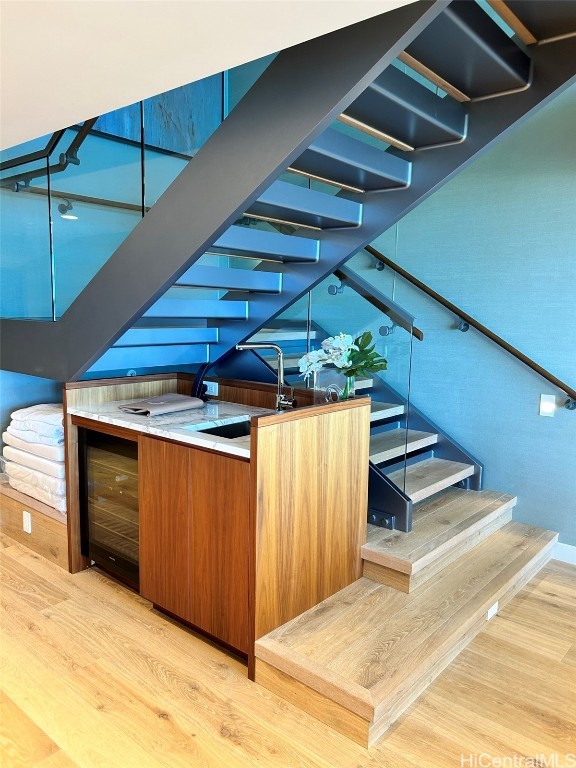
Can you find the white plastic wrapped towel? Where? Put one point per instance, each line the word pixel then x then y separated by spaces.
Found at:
pixel 52 452
pixel 52 468
pixel 48 413
pixel 38 428
pixel 52 485
pixel 51 499
pixel 34 437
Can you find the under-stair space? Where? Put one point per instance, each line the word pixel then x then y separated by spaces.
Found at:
pixel 360 658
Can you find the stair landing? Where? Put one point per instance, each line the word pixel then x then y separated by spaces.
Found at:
pixel 357 660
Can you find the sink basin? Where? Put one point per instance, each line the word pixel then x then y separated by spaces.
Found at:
pixel 230 431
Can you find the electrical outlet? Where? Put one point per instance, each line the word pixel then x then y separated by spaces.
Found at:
pixel 211 387
pixel 492 611
pixel 26 521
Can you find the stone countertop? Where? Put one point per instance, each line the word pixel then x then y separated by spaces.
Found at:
pixel 182 426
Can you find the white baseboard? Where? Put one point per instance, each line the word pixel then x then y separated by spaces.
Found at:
pixel 564 552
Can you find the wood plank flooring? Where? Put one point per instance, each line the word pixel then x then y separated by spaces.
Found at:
pixel 92 677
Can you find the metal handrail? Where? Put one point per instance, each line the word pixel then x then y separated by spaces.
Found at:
pixel 70 156
pixel 40 154
pixel 378 300
pixel 570 404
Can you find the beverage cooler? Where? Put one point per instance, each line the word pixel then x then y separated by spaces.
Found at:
pixel 109 503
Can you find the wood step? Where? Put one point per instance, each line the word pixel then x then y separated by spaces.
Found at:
pixel 428 477
pixel 363 383
pixel 277 335
pixel 444 528
pixel 381 411
pixel 389 445
pixel 357 660
pixel 360 384
pixel 290 361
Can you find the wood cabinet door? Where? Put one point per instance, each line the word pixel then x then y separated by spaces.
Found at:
pixel 164 509
pixel 219 541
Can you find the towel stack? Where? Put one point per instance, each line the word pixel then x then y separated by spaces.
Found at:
pixel 34 454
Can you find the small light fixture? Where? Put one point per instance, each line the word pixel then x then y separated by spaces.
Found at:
pixel 547 405
pixel 65 209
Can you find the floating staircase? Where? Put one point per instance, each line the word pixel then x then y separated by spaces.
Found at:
pixel 411 460
pixel 405 134
pixel 359 659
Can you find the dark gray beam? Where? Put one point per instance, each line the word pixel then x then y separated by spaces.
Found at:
pixel 304 89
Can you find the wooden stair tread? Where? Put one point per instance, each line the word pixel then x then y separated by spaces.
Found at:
pixel 364 383
pixel 380 411
pixel 371 647
pixel 390 445
pixel 430 476
pixel 438 524
pixel 275 334
pixel 290 361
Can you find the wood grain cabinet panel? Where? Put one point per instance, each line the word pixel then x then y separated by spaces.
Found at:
pixel 219 545
pixel 164 524
pixel 194 537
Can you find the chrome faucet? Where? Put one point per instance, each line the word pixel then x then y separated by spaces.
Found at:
pixel 282 401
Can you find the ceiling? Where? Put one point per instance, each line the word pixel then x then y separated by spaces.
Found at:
pixel 63 61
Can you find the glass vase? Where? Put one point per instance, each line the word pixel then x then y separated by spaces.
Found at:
pixel 331 385
pixel 350 388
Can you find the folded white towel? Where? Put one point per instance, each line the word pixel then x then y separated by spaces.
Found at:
pixel 53 452
pixel 52 468
pixel 35 478
pixel 38 427
pixel 49 413
pixel 51 499
pixel 34 437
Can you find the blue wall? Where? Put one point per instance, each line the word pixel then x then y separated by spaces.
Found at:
pixel 498 241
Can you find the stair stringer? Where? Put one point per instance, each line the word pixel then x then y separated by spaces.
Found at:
pixel 300 94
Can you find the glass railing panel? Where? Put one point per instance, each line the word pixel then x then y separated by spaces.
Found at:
pixel 25 258
pixel 176 124
pixel 95 204
pixel 336 308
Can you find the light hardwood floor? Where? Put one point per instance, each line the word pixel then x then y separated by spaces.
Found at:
pixel 90 676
